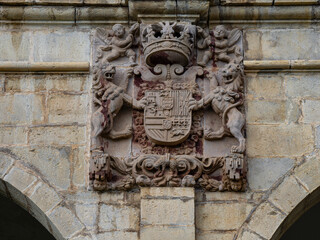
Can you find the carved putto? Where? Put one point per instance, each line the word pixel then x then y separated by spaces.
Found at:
pixel 167 103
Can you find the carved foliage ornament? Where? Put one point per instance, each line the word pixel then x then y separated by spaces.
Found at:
pixel 167 108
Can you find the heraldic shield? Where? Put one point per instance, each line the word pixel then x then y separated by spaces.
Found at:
pixel 167 118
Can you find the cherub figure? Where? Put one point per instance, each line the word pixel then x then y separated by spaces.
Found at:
pixel 225 42
pixel 204 43
pixel 119 44
pixel 109 99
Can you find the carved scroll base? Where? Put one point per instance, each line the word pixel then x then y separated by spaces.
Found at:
pixel 212 174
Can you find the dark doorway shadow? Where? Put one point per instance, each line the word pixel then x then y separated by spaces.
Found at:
pixel 306 227
pixel 17 224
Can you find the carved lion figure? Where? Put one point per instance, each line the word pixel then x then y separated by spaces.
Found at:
pixel 109 98
pixel 224 99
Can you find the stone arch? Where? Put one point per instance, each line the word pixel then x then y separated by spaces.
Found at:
pixel 21 183
pixel 285 202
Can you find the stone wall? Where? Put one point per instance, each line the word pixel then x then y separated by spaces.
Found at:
pixel 45 121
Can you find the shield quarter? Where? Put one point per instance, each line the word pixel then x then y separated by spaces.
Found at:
pixel 167 118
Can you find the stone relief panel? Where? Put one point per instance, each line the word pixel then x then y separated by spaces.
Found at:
pixel 167 107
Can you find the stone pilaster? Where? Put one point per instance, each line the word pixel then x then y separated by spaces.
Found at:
pixel 167 213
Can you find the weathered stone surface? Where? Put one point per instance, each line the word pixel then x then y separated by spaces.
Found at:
pixel 276 44
pixel 52 162
pixel 167 232
pixel 118 235
pixel 63 46
pixel 79 165
pixel 295 2
pixel 288 194
pixel 15 45
pixel 302 85
pixel 266 111
pixel 203 235
pixel 308 173
pixel 263 172
pixel 23 109
pixel 265 220
pixel 44 197
pixel 246 235
pixel 74 111
pixel 310 110
pixel 58 1
pixel 208 215
pixel 53 135
pixel 70 224
pixel 278 141
pixel 41 83
pixel 167 192
pixel 114 218
pixel 87 213
pixel 19 178
pixel 5 163
pixel 265 86
pixel 245 2
pixel 222 196
pixel 167 211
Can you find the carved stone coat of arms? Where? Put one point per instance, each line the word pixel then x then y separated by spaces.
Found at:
pixel 167 107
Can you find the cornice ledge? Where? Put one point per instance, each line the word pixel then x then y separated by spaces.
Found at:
pixel 44 66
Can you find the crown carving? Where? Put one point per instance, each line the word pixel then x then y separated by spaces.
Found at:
pixel 168 43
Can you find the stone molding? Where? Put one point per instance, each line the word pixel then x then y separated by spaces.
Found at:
pixel 44 67
pixel 250 65
pixel 118 13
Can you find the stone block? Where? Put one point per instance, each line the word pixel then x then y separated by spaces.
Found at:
pixel 70 83
pixel 58 2
pixel 42 83
pixel 310 110
pixel 67 108
pixel 304 85
pixel 15 45
pixel 61 46
pixel 279 141
pixel 167 232
pixel 288 194
pixel 167 212
pixel 222 196
pixel 19 178
pixel 118 235
pixel 293 111
pixel 22 109
pixel 44 197
pixel 221 216
pixel 87 213
pixel 247 2
pixel 84 197
pixel 113 218
pixel 208 235
pixel 65 221
pixel 266 111
pixel 167 192
pixel 277 44
pixel 308 173
pixel 265 220
pixel 79 166
pixel 17 196
pixel 247 235
pixel 109 15
pixel 5 163
pixel 264 172
pixel 264 86
pixel 109 2
pixel 52 135
pixel 295 2
pixel 53 163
